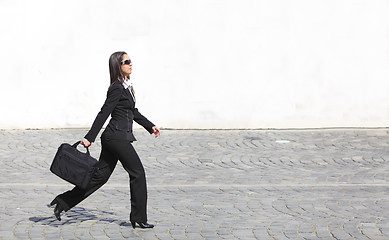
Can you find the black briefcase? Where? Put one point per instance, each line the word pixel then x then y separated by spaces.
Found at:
pixel 72 165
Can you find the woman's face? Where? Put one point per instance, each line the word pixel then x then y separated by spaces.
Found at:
pixel 126 65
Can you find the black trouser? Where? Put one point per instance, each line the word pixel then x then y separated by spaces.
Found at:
pixel 111 152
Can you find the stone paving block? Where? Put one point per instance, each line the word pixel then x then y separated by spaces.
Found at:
pixel 370 230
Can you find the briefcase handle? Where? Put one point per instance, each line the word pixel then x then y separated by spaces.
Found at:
pixel 76 144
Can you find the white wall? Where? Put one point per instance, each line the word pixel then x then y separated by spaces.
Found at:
pixel 198 64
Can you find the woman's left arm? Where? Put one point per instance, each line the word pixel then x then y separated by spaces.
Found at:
pixel 147 124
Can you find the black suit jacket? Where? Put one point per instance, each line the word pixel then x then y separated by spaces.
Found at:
pixel 121 106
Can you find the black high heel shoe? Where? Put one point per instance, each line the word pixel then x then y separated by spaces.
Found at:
pixel 142 225
pixel 57 210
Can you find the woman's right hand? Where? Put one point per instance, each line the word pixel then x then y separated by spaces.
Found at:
pixel 85 142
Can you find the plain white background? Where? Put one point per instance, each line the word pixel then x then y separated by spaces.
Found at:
pixel 198 64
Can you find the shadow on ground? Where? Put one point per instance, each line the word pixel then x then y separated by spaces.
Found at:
pixel 77 215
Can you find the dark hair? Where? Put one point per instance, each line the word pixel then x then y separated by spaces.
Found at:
pixel 115 69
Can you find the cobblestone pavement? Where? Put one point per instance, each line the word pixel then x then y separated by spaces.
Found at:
pixel 209 184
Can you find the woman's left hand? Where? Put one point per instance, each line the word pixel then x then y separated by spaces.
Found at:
pixel 156 131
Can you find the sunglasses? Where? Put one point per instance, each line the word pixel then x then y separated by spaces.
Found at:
pixel 128 61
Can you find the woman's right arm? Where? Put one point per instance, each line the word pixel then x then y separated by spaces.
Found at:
pixel 113 95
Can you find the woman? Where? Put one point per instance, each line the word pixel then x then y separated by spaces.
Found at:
pixel 116 144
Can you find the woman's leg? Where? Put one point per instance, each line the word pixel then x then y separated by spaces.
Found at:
pixel 138 189
pixel 105 167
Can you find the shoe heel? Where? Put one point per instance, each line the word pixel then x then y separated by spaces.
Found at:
pixel 133 225
pixel 57 211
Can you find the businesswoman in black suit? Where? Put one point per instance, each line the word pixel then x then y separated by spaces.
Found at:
pixel 116 144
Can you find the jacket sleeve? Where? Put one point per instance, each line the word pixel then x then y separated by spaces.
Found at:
pixel 143 121
pixel 113 95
